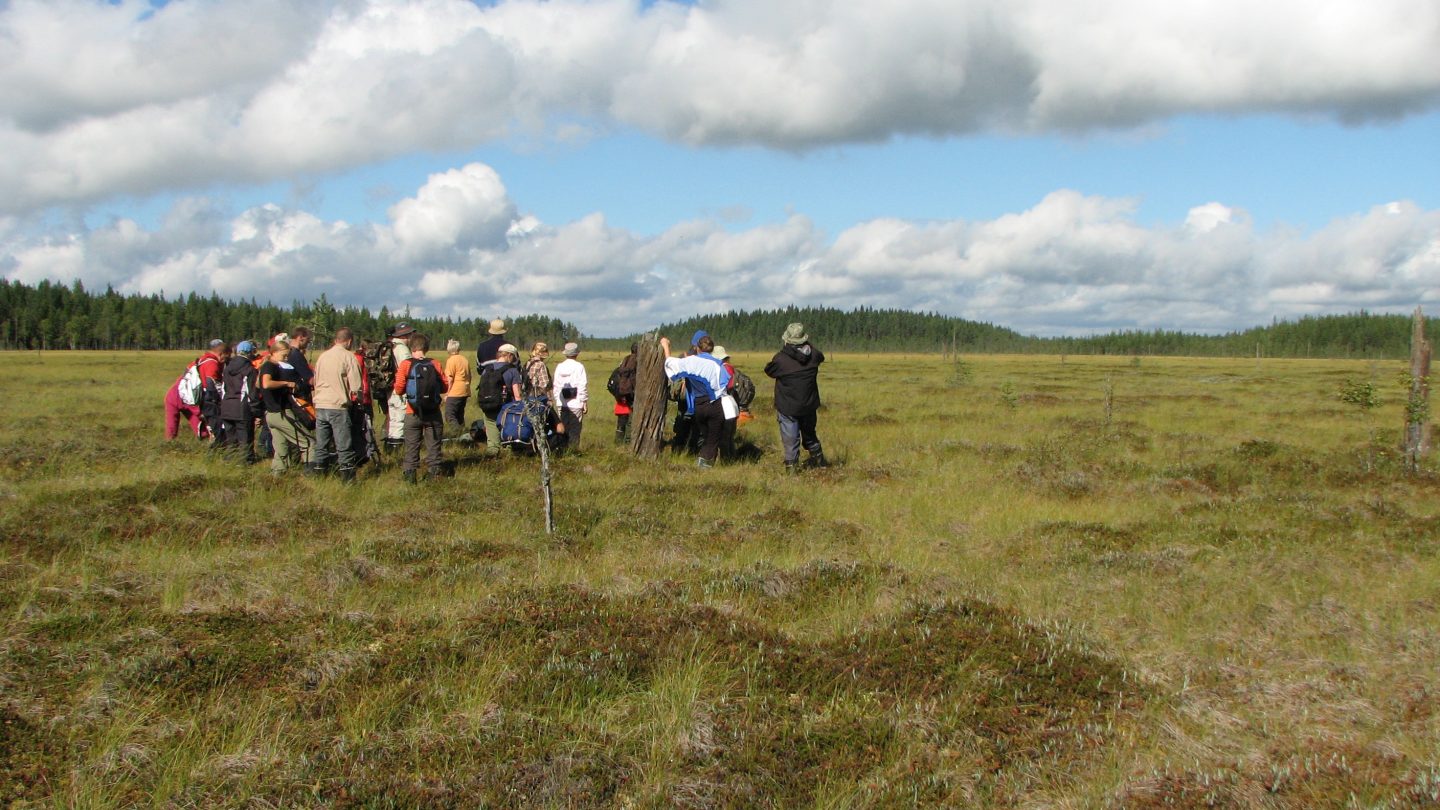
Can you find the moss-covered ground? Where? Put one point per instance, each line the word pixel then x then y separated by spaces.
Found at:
pixel 1040 581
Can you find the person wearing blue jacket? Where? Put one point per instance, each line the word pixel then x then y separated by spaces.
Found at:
pixel 705 381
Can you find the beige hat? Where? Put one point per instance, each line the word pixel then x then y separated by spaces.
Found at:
pixel 508 348
pixel 719 353
pixel 571 349
pixel 497 327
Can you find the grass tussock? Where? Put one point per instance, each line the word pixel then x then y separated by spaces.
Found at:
pixel 948 701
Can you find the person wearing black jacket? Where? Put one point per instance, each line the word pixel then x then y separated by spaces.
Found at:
pixel 489 348
pixel 236 407
pixel 795 369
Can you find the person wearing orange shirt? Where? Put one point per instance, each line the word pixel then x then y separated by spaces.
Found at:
pixel 457 371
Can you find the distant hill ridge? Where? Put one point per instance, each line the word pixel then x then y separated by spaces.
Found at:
pixel 60 316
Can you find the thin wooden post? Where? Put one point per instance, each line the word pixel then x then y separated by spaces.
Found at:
pixel 1417 403
pixel 539 427
pixel 647 421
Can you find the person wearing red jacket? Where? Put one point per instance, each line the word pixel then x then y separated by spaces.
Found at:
pixel 208 365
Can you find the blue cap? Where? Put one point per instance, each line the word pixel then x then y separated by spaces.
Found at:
pixel 244 347
pixel 700 333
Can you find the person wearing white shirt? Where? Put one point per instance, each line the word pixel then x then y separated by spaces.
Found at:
pixel 571 392
pixel 705 382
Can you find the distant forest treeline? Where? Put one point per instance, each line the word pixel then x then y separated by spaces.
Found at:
pixel 59 316
pixel 1358 335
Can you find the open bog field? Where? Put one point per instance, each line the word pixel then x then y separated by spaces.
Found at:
pixel 1073 583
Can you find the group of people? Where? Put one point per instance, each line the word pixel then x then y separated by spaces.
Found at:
pixel 272 402
pixel 712 397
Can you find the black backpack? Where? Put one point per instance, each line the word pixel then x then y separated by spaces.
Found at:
pixel 744 389
pixel 423 389
pixel 490 393
pixel 380 365
pixel 621 384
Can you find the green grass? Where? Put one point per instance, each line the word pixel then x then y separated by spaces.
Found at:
pixel 1222 590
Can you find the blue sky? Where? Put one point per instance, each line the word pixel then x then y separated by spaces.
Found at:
pixel 1053 166
pixel 1283 170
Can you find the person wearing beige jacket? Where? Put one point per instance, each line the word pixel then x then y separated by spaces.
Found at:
pixel 338 384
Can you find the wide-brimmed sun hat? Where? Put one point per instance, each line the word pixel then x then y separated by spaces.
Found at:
pixel 795 335
pixel 497 327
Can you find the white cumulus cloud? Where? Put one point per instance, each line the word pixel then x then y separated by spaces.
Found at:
pixel 460 246
pixel 99 99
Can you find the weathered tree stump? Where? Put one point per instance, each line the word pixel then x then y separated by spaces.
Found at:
pixel 647 419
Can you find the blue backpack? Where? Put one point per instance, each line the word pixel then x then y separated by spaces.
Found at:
pixel 423 389
pixel 514 424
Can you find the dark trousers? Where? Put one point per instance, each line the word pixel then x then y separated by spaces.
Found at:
pixel 622 428
pixel 455 411
pixel 210 414
pixel 797 430
pixel 572 423
pixel 727 438
pixel 236 437
pixel 708 423
pixel 426 431
pixel 683 423
pixel 688 435
pixel 360 437
pixel 263 442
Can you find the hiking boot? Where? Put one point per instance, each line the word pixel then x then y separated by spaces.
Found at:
pixel 792 468
pixel 315 470
pixel 409 477
pixel 346 476
pixel 703 464
pixel 818 460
